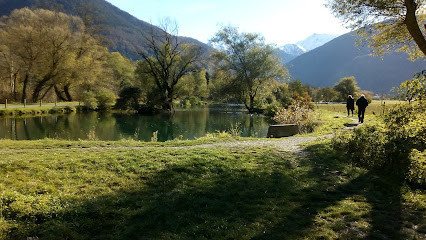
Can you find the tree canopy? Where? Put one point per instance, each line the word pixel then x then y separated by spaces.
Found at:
pixel 346 86
pixel 387 24
pixel 45 53
pixel 166 62
pixel 251 63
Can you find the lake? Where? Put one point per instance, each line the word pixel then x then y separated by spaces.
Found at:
pixel 184 124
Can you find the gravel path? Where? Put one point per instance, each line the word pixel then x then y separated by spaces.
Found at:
pixel 291 144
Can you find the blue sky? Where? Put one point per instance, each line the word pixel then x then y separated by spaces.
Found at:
pixel 279 21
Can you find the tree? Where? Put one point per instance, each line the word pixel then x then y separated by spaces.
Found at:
pixel 193 85
pixel 346 86
pixel 326 94
pixel 296 87
pixel 49 51
pixel 251 63
pixel 413 89
pixel 166 62
pixel 387 24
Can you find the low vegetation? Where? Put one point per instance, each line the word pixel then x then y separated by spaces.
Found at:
pixel 36 110
pixel 114 190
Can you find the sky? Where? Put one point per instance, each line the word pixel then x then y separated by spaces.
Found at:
pixel 279 21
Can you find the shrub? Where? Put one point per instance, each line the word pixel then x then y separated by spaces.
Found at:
pixel 89 100
pixel 397 144
pixel 129 98
pixel 194 101
pixel 105 99
pixel 298 113
pixel 272 108
pixel 365 146
pixel 417 169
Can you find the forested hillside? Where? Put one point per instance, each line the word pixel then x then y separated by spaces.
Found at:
pixel 123 32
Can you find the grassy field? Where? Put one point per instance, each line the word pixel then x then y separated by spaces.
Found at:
pixel 106 190
pixel 375 107
pixel 53 189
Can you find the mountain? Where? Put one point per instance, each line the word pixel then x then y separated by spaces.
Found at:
pixel 123 32
pixel 316 40
pixel 289 52
pixel 325 65
pixel 293 49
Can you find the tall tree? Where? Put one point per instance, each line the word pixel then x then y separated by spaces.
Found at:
pixel 167 61
pixel 346 86
pixel 251 62
pixel 52 50
pixel 387 24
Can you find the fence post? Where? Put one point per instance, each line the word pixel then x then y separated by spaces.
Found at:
pixel 41 101
pixel 5 105
pixel 25 102
pixel 56 102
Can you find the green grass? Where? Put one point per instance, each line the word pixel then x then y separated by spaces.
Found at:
pixel 36 110
pixel 375 107
pixel 106 190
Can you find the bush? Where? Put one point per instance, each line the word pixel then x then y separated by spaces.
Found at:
pixel 417 173
pixel 365 146
pixel 298 113
pixel 89 100
pixel 272 109
pixel 129 98
pixel 105 99
pixel 397 144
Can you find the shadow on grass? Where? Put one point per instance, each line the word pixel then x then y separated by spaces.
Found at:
pixel 381 191
pixel 207 200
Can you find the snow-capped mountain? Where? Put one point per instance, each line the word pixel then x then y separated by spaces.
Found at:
pixel 290 51
pixel 316 40
pixel 293 49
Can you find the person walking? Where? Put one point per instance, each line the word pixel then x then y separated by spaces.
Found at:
pixel 362 104
pixel 350 105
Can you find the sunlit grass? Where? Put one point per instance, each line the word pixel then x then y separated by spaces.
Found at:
pixel 375 107
pixel 106 190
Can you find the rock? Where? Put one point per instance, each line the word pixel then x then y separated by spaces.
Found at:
pixel 282 130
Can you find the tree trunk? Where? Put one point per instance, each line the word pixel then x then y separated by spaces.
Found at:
pixel 67 93
pixel 59 94
pixel 24 88
pixel 169 102
pixel 413 26
pixel 251 106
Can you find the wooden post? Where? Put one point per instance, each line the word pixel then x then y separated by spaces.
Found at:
pixel 56 102
pixel 5 105
pixel 25 102
pixel 41 101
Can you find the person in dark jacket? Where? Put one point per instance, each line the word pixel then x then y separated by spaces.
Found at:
pixel 362 104
pixel 350 105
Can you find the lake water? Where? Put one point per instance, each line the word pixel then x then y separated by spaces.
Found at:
pixel 184 124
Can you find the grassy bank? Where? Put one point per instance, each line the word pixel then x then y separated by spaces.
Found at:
pixel 133 190
pixel 34 111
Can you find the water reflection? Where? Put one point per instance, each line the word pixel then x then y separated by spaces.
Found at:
pixel 183 124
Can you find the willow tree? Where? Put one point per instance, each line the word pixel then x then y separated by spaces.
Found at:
pixel 166 60
pixel 251 63
pixel 386 24
pixel 52 51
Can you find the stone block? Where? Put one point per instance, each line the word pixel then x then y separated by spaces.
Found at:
pixel 282 130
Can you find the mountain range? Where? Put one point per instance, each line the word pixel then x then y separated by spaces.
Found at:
pixel 320 60
pixel 290 51
pixel 338 58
